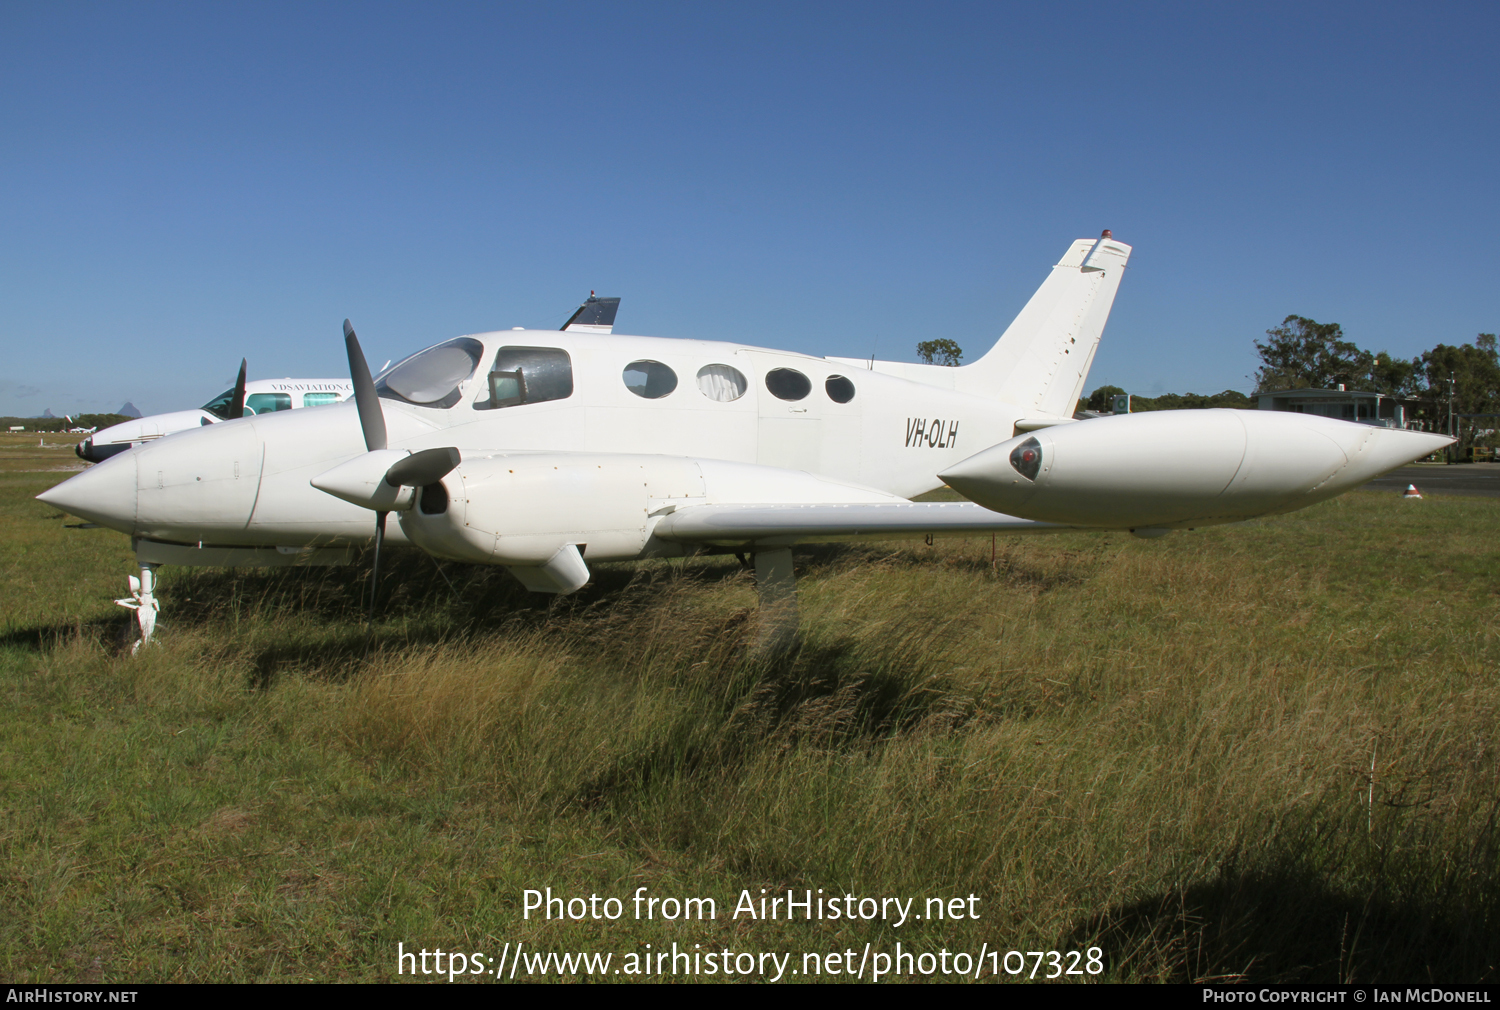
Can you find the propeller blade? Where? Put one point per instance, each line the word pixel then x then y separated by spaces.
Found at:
pixel 422 468
pixel 375 576
pixel 237 402
pixel 371 419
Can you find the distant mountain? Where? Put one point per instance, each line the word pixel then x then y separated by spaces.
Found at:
pixel 47 413
pixel 129 410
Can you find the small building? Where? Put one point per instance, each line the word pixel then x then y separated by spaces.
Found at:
pixel 1362 406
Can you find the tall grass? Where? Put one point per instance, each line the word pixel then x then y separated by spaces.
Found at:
pixel 1265 752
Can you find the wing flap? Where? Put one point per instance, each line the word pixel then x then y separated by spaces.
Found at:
pixel 738 525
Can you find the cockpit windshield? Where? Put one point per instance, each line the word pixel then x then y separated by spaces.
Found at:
pixel 430 378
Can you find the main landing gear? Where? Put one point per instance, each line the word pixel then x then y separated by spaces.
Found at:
pixel 775 581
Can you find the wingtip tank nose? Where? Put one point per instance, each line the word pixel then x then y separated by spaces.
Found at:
pixel 990 476
pixel 1393 447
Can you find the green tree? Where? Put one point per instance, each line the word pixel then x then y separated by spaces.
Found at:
pixel 56 424
pixel 1396 376
pixel 1099 399
pixel 1192 401
pixel 1302 353
pixel 1475 371
pixel 940 352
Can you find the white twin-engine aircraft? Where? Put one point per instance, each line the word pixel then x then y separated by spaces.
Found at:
pixel 543 450
pixel 259 396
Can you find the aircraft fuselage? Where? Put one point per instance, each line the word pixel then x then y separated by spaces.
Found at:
pixel 245 482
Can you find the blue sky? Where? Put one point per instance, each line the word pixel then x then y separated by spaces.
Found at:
pixel 186 184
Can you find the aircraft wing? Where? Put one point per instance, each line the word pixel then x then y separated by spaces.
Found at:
pixel 747 525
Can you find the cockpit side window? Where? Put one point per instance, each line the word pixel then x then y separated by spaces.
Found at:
pixel 431 378
pixel 527 375
pixel 267 403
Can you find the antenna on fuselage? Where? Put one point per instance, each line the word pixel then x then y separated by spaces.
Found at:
pixel 595 315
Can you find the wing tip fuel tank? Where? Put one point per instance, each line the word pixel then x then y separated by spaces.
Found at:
pixel 1182 467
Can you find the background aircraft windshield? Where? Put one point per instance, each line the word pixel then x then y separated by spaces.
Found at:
pixel 219 405
pixel 430 378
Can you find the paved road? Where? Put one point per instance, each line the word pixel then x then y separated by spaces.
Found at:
pixel 1460 478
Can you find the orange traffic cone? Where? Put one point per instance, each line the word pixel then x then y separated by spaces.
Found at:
pixel 1412 492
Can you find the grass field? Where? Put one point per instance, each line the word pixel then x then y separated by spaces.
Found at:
pixel 1263 752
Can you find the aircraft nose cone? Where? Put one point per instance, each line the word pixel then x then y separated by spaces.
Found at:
pixel 103 494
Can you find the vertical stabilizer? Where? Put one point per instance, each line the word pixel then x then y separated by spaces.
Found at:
pixel 1042 359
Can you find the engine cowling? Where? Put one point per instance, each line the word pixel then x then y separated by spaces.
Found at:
pixel 522 508
pixel 1178 468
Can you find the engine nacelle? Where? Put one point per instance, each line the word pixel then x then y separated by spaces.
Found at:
pixel 1179 468
pixel 522 508
pixel 529 509
pixel 118 438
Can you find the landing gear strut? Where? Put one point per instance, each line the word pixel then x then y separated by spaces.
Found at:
pixel 776 623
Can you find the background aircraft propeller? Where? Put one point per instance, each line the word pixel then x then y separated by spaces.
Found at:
pixel 237 401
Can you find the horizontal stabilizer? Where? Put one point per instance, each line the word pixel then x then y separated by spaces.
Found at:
pixel 1038 423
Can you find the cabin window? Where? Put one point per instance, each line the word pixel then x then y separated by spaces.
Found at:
pixel 319 399
pixel 650 379
pixel 788 384
pixel 527 375
pixel 266 403
pixel 722 382
pixel 430 378
pixel 840 389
